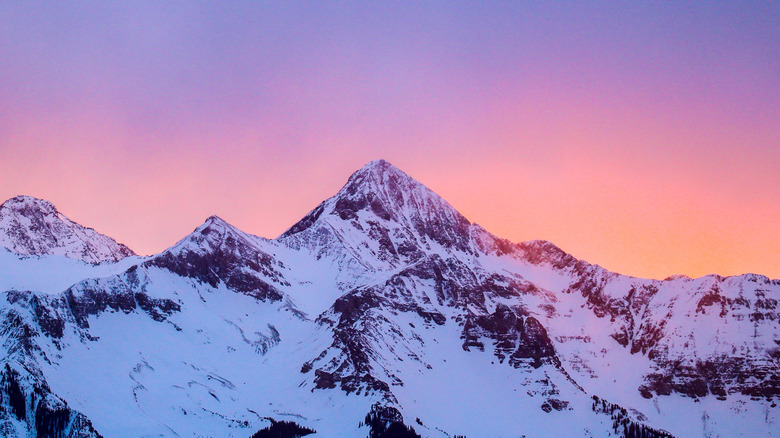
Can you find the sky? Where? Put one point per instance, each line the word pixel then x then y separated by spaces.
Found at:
pixel 641 136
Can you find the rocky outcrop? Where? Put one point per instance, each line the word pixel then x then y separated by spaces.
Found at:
pixel 664 320
pixel 28 408
pixel 218 253
pixel 117 294
pixel 518 337
pixel 33 313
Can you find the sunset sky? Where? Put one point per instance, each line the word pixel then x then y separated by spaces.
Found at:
pixel 642 136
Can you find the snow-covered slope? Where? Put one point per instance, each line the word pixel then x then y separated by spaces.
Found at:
pixel 31 226
pixel 383 312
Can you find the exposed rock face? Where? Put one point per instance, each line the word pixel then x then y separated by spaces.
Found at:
pixel 116 294
pixel 28 407
pixel 729 322
pixel 31 226
pixel 34 329
pixel 517 337
pixel 124 293
pixel 217 252
pixel 28 400
pixel 368 342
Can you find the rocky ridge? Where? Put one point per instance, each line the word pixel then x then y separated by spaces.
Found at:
pixel 31 226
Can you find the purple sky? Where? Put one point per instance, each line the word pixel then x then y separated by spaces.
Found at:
pixel 643 137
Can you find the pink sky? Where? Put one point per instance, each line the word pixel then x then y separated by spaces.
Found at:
pixel 642 138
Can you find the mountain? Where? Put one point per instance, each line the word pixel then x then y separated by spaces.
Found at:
pixel 31 226
pixel 384 313
pixel 395 217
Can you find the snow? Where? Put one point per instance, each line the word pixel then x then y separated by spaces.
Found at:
pixel 51 274
pixel 203 378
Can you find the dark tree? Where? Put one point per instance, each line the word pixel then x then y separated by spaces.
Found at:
pixel 283 429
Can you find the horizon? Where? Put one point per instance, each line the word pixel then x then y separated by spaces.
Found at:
pixel 209 218
pixel 642 138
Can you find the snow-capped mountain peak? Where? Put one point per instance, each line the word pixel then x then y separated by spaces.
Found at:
pixel 390 194
pixel 215 233
pixel 32 226
pixel 217 252
pixel 383 219
pixel 28 204
pixel 215 224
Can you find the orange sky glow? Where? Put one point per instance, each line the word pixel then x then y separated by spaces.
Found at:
pixel 647 142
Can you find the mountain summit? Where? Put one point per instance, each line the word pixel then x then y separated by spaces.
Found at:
pixel 32 226
pixel 384 218
pixel 391 194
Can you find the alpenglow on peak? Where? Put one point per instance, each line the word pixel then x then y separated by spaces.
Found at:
pixel 32 226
